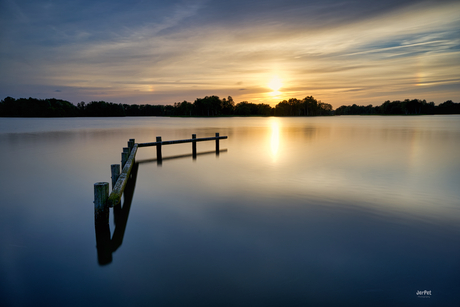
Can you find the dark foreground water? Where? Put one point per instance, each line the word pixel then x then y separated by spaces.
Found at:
pixel 337 211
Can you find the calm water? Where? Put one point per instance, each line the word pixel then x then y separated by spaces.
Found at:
pixel 338 211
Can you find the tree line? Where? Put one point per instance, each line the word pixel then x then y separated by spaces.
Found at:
pixel 397 107
pixel 207 106
pixel 214 106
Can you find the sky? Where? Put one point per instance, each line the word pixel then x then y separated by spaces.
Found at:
pixel 261 51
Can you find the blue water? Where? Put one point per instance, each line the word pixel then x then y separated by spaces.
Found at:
pixel 333 211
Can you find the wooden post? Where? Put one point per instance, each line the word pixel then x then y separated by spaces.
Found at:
pixel 159 157
pixel 124 156
pixel 115 169
pixel 194 147
pixel 217 143
pixel 115 196
pixel 101 209
pixel 130 144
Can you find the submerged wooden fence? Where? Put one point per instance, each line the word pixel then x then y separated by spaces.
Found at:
pixel 103 200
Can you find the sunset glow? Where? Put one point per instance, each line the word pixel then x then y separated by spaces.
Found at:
pixel 275 139
pixel 167 52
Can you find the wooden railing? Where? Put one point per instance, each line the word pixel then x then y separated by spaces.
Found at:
pixel 103 200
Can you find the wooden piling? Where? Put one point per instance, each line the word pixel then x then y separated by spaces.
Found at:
pixel 101 209
pixel 124 157
pixel 217 143
pixel 115 170
pixel 158 147
pixel 115 196
pixel 194 146
pixel 130 144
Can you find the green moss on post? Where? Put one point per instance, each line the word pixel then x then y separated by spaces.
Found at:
pixel 117 191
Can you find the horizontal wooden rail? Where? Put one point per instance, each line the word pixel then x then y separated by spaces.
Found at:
pixel 115 197
pixel 102 200
pixel 182 141
pixel 181 156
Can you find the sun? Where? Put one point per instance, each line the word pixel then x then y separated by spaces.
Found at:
pixel 275 83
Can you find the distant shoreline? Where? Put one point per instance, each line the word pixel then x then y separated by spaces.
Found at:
pixel 213 106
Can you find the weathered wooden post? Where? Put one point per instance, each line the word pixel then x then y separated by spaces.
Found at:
pixel 124 156
pixel 194 146
pixel 101 209
pixel 159 157
pixel 130 144
pixel 217 143
pixel 115 170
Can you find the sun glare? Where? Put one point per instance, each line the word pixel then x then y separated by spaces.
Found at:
pixel 275 83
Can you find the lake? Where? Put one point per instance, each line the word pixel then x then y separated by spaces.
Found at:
pixel 322 211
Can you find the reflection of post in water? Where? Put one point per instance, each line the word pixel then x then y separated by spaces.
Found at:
pixel 106 244
pixel 183 156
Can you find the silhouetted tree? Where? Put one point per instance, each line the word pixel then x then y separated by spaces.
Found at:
pixel 324 109
pixel 33 107
pixel 264 109
pixel 104 109
pixel 228 106
pixel 448 107
pixel 243 108
pixel 183 108
pixel 406 107
pixel 308 106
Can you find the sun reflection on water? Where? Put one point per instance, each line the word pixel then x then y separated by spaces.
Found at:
pixel 275 139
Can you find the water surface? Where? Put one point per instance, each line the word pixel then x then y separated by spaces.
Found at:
pixel 323 211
